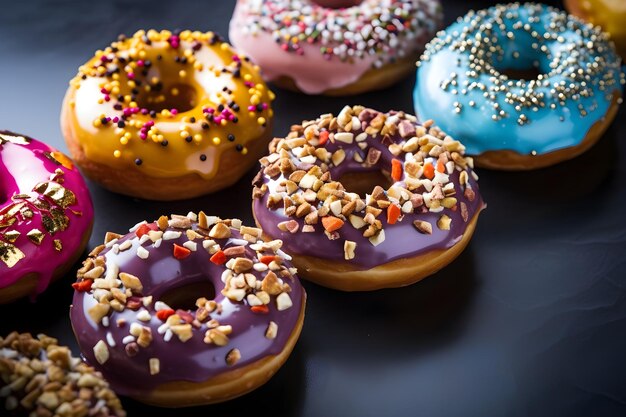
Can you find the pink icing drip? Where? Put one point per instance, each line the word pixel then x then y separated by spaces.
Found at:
pixel 22 167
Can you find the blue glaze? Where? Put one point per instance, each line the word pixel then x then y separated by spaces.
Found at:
pixel 550 123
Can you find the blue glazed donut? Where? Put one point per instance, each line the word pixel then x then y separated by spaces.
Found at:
pixel 462 83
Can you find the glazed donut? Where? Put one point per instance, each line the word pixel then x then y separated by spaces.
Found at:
pixel 46 216
pixel 334 47
pixel 40 378
pixel 187 310
pixel 474 79
pixel 609 14
pixel 348 230
pixel 167 116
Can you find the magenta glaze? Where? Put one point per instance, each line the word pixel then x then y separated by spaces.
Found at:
pixel 22 167
pixel 193 360
pixel 402 240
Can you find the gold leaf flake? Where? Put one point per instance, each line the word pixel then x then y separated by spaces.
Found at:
pixel 62 159
pixel 11 236
pixel 13 138
pixel 58 245
pixel 59 159
pixel 6 221
pixel 9 254
pixel 51 158
pixel 14 209
pixel 35 236
pixel 41 204
pixel 20 197
pixel 56 221
pixel 56 192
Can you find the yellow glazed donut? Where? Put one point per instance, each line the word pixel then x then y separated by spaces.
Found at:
pixel 167 115
pixel 609 14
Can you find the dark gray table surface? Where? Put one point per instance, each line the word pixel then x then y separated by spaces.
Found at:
pixel 529 321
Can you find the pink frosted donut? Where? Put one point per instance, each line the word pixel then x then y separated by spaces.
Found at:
pixel 335 47
pixel 46 215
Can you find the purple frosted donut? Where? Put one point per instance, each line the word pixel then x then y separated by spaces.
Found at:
pixel 187 310
pixel 367 200
pixel 46 215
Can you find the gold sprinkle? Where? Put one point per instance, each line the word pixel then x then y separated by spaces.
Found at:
pixel 58 245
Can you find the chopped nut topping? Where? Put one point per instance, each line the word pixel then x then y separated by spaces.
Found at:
pixel 131 282
pixel 220 231
pixel 348 248
pixel 270 284
pixel 283 301
pixel 216 337
pixel 424 174
pixel 253 275
pixel 101 352
pixel 423 227
pixel 110 236
pixel 145 337
pixel 233 356
pixel 44 380
pixel 444 222
pixel 242 265
pixel 155 366
pixel 98 311
pixel 272 330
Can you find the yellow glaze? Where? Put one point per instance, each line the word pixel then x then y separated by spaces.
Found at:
pixel 179 77
pixel 608 14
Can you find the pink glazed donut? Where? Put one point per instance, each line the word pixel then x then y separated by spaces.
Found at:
pixel 46 215
pixel 334 47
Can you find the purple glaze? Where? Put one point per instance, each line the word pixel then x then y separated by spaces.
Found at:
pixel 192 360
pixel 22 167
pixel 402 240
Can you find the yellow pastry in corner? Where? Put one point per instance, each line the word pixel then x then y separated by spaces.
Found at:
pixel 609 14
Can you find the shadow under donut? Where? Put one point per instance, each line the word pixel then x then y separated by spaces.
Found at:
pixel 567 181
pixel 400 323
pixel 289 381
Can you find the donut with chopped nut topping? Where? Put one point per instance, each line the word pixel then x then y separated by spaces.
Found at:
pixel 334 47
pixel 367 200
pixel 167 115
pixel 46 216
pixel 40 378
pixel 187 310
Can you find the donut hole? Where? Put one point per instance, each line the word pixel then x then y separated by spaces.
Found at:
pixel 531 73
pixel 363 183
pixel 179 96
pixel 337 4
pixel 4 196
pixel 184 297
